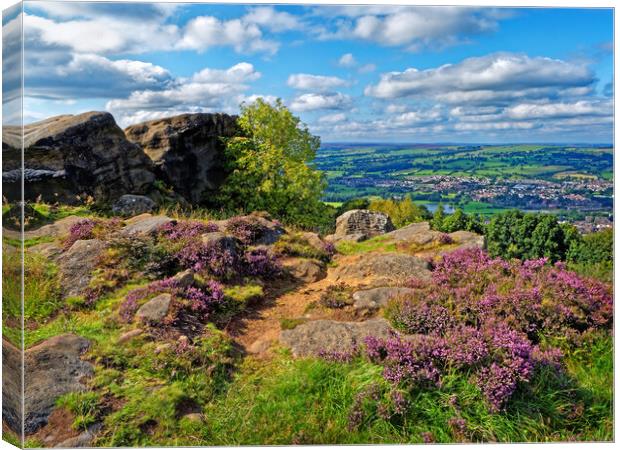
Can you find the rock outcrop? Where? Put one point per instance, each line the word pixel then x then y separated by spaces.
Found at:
pixel 313 337
pixel 53 368
pixel 71 156
pixel 187 150
pixel 361 224
pixel 381 269
pixel 371 299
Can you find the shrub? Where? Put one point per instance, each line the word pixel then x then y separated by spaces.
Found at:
pixel 336 296
pixel 403 212
pixel 260 262
pixel 211 258
pixel 91 229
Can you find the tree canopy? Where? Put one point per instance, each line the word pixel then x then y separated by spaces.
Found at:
pixel 271 166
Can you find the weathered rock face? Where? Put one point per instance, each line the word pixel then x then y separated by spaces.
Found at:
pixel 312 337
pixel 187 150
pixel 53 368
pixel 75 155
pixel 362 224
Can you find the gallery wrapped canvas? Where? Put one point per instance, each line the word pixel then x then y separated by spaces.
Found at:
pixel 233 224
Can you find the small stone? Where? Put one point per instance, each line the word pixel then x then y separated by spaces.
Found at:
pixel 306 270
pixel 194 417
pixel 147 225
pixel 155 309
pixel 221 240
pixel 131 205
pixel 184 279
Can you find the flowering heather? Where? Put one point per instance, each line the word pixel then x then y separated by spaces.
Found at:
pixel 91 229
pixel 485 317
pixel 260 262
pixel 246 229
pixel 82 229
pixel 186 229
pixel 211 257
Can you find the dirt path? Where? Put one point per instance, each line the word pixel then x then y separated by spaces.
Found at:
pixel 260 328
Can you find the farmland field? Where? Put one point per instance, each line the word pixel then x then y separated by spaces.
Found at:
pixel 492 171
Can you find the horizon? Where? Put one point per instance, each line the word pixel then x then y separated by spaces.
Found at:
pixel 355 74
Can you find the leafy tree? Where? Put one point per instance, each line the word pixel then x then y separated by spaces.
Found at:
pixel 455 222
pixel 402 213
pixel 515 234
pixel 271 167
pixel 593 254
pixel 354 203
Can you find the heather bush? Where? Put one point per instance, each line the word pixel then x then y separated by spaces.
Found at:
pixel 200 302
pixel 212 258
pixel 91 229
pixel 261 262
pixel 492 319
pixel 246 229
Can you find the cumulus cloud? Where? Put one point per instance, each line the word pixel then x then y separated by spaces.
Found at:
pixel 203 32
pixel 347 60
pixel 498 76
pixel 315 101
pixel 276 21
pixel 333 118
pixel 206 90
pixel 560 110
pixel 320 83
pixel 410 27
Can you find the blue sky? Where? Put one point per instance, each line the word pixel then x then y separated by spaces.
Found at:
pixel 363 73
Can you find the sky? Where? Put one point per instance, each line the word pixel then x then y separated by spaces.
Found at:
pixel 352 73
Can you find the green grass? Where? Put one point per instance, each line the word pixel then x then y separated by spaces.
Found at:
pixel 307 401
pixel 379 243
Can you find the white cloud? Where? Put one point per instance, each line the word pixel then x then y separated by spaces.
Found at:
pixel 207 90
pixel 276 21
pixel 347 60
pixel 498 76
pixel 560 110
pixel 307 82
pixel 366 68
pixel 333 118
pixel 311 102
pixel 204 32
pixel 394 108
pixel 409 27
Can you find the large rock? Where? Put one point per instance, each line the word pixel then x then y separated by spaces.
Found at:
pixel 418 233
pixel 310 338
pixel 187 150
pixel 383 268
pixel 77 265
pixel 53 368
pixel 467 239
pixel 132 205
pixel 362 222
pixel 371 299
pixel 74 155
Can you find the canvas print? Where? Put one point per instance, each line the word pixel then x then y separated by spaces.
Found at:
pixel 233 224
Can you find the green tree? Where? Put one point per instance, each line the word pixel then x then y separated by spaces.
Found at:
pixel 271 167
pixel 402 213
pixel 515 234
